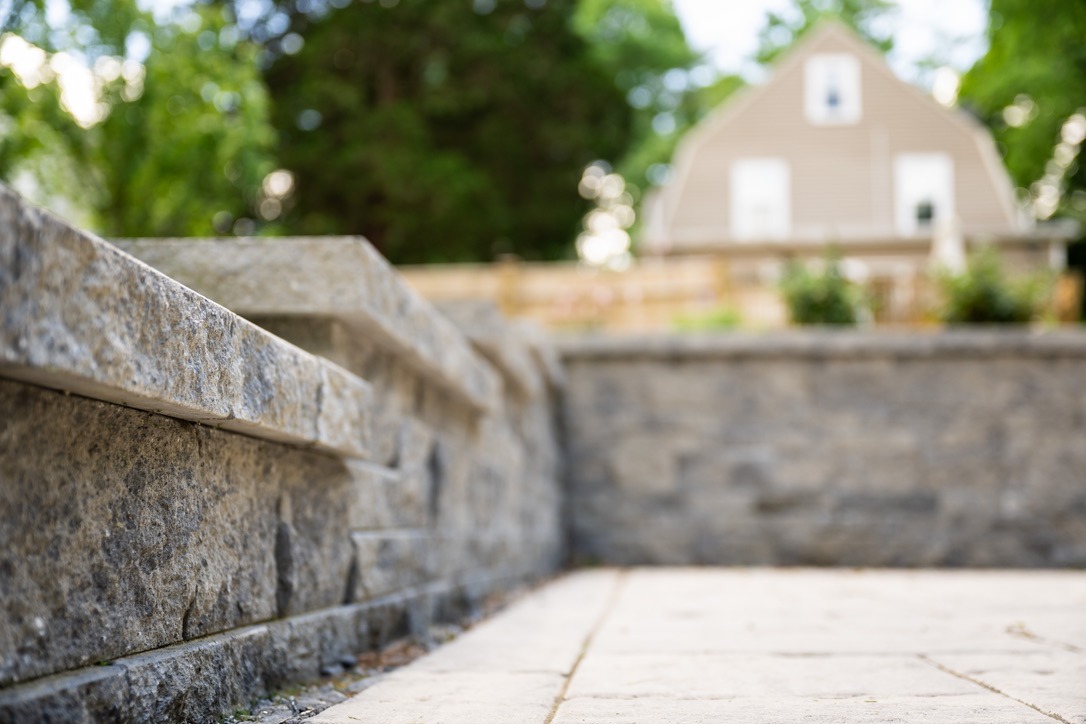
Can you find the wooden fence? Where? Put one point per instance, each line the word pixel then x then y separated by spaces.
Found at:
pixel 663 293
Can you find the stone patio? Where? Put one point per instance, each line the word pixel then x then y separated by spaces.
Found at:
pixel 758 645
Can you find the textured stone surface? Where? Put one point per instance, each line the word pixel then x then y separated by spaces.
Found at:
pixel 303 647
pixel 960 448
pixel 498 341
pixel 453 697
pixel 98 694
pixel 172 549
pixel 123 530
pixel 203 679
pixel 971 709
pixel 475 491
pixel 188 682
pixel 828 344
pixel 81 316
pixel 192 681
pixel 512 668
pixel 342 277
pixel 390 562
pixel 1051 680
pixel 752 646
pixel 399 497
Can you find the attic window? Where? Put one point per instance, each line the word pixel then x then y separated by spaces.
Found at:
pixel 832 92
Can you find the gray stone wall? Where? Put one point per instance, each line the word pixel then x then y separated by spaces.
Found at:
pixel 958 448
pixel 195 512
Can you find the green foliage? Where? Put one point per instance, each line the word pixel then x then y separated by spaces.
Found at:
pixel 442 129
pixel 195 144
pixel 718 319
pixel 444 134
pixel 1036 59
pixel 983 294
pixel 819 295
pixel 641 44
pixel 783 29
pixel 178 143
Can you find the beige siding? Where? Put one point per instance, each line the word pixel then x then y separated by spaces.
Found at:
pixel 842 176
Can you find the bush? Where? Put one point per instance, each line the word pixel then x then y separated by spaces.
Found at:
pixel 983 294
pixel 819 296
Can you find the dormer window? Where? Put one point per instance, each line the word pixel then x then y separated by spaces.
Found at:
pixel 832 95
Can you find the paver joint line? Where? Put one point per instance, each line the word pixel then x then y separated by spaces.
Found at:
pixel 989 687
pixel 1020 631
pixel 612 599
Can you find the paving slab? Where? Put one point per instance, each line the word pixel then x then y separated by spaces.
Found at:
pixel 975 709
pixel 758 645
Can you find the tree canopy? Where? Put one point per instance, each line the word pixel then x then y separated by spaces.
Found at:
pixel 783 29
pixel 175 145
pixel 443 133
pixel 1030 89
pixel 641 44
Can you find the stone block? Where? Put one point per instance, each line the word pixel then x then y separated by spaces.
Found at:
pixel 304 647
pixel 329 277
pixel 400 497
pixel 124 531
pixel 198 680
pixel 313 550
pixel 83 317
pixel 388 562
pixel 498 341
pixel 87 696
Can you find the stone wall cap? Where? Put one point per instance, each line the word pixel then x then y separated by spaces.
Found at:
pixel 84 317
pixel 829 343
pixel 499 340
pixel 338 277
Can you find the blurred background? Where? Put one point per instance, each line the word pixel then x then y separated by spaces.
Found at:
pixel 526 150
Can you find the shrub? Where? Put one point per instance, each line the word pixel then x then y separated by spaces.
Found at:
pixel 983 294
pixel 819 296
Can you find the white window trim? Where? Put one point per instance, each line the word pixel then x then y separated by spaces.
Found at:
pixel 845 69
pixel 919 177
pixel 776 196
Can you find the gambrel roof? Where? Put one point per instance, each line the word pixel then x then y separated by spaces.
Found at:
pixel 841 175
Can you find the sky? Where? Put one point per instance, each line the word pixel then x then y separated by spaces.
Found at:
pixel 950 30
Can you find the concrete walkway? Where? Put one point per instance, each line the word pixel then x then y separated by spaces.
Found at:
pixel 756 645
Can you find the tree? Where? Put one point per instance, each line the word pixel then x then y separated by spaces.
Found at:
pixel 440 133
pixel 642 46
pixel 783 29
pixel 176 145
pixel 1026 88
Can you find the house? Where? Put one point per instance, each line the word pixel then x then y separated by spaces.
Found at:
pixel 835 150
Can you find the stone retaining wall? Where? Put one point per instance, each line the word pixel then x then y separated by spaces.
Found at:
pixel 228 467
pixel 851 448
pixel 194 512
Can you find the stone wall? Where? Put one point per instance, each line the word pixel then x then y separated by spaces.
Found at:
pixel 956 448
pixel 228 465
pixel 194 512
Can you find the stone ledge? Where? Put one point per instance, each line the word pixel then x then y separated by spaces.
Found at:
pixel 198 680
pixel 83 317
pixel 828 344
pixel 338 277
pixel 504 344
